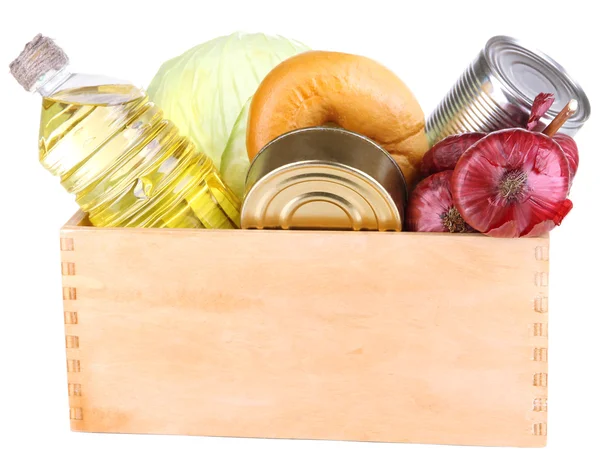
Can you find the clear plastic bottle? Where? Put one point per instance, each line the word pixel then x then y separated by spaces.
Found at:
pixel 126 165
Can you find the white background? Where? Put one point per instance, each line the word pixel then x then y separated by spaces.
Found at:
pixel 427 43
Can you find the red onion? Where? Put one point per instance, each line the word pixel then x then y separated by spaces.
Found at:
pixel 444 155
pixel 512 183
pixel 569 146
pixel 431 209
pixel 540 106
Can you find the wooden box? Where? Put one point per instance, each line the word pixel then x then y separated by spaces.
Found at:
pixel 367 336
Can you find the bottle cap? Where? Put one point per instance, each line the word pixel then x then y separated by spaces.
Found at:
pixel 40 56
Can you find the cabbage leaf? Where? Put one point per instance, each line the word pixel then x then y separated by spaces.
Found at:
pixel 204 89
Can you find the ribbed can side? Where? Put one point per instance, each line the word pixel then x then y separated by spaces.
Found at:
pixel 474 103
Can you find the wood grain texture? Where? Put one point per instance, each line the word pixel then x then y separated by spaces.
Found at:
pixel 321 335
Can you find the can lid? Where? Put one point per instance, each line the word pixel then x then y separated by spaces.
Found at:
pixel 323 178
pixel 319 195
pixel 526 72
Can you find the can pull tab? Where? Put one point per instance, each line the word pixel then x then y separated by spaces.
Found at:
pixel 322 208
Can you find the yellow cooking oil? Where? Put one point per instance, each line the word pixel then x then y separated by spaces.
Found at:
pixel 127 165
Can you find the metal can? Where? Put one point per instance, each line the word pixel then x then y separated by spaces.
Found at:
pixel 324 178
pixel 497 91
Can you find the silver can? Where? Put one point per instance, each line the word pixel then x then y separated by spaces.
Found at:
pixel 497 91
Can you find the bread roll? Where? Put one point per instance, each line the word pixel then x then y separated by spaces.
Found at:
pixel 354 92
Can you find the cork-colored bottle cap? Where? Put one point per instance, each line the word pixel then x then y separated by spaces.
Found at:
pixel 40 56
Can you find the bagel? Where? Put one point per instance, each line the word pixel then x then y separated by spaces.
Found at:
pixel 356 93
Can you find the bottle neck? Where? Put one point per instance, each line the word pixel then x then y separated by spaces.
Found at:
pixel 51 81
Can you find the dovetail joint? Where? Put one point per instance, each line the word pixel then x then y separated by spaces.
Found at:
pixel 73 366
pixel 542 253
pixel 540 354
pixel 540 304
pixel 540 429
pixel 76 413
pixel 69 293
pixel 67 268
pixel 540 404
pixel 71 317
pixel 540 379
pixel 67 244
pixel 541 279
pixel 540 329
pixel 74 390
pixel 72 342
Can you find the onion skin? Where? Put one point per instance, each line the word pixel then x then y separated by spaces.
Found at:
pixel 512 183
pixel 444 155
pixel 540 106
pixel 431 207
pixel 569 147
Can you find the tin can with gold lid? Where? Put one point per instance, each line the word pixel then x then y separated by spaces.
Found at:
pixel 497 90
pixel 324 178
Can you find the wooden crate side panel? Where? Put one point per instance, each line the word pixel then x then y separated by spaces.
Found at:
pixel 366 336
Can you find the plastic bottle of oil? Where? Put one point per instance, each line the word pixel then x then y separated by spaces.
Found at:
pixel 126 165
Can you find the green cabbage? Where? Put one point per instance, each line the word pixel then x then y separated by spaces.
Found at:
pixel 204 90
pixel 235 162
